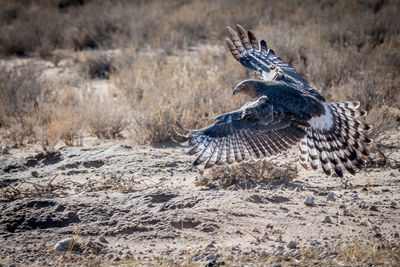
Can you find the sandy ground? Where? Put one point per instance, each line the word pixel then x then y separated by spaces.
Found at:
pixel 123 203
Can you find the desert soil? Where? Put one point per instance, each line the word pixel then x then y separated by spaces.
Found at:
pixel 123 203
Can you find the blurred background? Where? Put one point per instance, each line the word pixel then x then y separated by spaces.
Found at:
pixel 130 69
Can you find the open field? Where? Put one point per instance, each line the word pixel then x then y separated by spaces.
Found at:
pixel 89 91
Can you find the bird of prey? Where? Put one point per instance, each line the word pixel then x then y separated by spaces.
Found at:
pixel 284 111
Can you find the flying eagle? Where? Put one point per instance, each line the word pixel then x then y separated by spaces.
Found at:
pixel 284 111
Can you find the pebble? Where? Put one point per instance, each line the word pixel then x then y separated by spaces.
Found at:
pixel 331 197
pixel 210 260
pixel 284 208
pixel 309 201
pixel 211 257
pixel 211 244
pixel 102 239
pixel 235 247
pixel 199 257
pixel 276 265
pixel 292 244
pixel 393 205
pixel 396 235
pixel 373 208
pixel 64 244
pixel 327 219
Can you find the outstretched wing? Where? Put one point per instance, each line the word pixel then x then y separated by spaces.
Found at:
pixel 257 56
pixel 257 130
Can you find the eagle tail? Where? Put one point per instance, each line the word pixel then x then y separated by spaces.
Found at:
pixel 336 139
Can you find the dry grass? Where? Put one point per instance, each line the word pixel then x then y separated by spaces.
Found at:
pixel 367 252
pixel 162 89
pixel 172 64
pixel 249 174
pixel 97 65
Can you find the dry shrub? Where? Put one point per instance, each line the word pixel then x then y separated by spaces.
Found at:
pixel 168 77
pixel 20 130
pixel 370 252
pixel 163 89
pixel 97 65
pixel 248 174
pixel 34 111
pixel 61 117
pixel 19 91
pixel 106 118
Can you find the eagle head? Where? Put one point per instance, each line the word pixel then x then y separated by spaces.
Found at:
pixel 248 87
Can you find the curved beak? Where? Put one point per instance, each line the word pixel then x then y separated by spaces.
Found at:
pixel 235 91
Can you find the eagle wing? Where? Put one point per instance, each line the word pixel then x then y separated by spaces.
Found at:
pixel 257 130
pixel 258 57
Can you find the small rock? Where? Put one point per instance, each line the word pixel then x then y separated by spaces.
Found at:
pixel 211 244
pixel 292 244
pixel 373 208
pixel 64 244
pixel 342 206
pixel 396 235
pixel 279 252
pixel 315 243
pixel 89 243
pixel 211 257
pixel 102 239
pixel 309 224
pixel 35 174
pixel 327 219
pixel 235 247
pixel 385 190
pixel 284 208
pixel 331 197
pixel 276 265
pixel 309 201
pixel 210 260
pixel 171 257
pixel 393 205
pixel 199 257
pixel 229 257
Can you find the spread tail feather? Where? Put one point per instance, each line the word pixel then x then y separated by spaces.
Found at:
pixel 336 140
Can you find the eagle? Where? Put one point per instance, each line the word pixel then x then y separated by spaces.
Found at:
pixel 284 111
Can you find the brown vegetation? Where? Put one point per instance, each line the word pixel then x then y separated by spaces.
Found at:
pixel 171 64
pixel 131 69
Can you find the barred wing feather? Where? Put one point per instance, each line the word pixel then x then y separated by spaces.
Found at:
pixel 255 131
pixel 258 57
